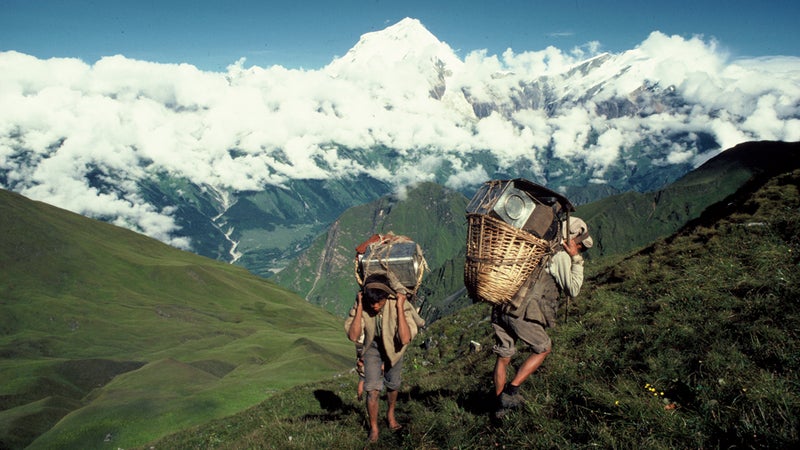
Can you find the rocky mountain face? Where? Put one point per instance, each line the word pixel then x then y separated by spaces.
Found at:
pixel 250 166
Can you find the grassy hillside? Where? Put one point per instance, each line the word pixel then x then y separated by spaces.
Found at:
pixel 691 342
pixel 110 339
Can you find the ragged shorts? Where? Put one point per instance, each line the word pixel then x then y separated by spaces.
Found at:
pixel 378 371
pixel 509 329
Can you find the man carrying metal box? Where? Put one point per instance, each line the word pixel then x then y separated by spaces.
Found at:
pixel 384 318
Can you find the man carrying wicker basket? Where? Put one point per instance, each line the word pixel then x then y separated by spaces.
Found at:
pixel 533 309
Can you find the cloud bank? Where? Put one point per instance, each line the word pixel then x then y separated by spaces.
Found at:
pixel 82 136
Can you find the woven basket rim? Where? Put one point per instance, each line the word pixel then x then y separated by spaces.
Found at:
pixel 496 278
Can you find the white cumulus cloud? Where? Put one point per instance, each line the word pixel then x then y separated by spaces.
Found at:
pixel 62 119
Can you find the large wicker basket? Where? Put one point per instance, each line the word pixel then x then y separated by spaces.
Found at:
pixel 499 259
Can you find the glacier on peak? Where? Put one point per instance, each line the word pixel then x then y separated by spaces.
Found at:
pixel 406 46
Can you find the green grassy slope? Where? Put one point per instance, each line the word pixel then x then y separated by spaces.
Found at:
pixel 623 222
pixel 691 342
pixel 109 339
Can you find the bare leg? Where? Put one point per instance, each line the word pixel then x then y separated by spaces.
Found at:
pixel 391 399
pixel 372 410
pixel 527 368
pixel 360 369
pixel 500 367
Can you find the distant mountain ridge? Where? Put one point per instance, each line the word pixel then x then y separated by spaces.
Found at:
pixel 626 221
pixel 250 165
pixel 429 214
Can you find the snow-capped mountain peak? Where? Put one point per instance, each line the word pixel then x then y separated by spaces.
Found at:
pixel 404 45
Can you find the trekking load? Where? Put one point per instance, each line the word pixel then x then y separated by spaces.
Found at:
pixel 397 257
pixel 513 228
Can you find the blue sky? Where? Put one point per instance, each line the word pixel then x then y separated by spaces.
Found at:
pixel 309 34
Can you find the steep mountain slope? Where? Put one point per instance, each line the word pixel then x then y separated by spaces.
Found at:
pixel 430 214
pixel 102 330
pixel 689 343
pixel 626 221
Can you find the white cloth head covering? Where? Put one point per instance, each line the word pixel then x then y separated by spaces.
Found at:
pixel 579 231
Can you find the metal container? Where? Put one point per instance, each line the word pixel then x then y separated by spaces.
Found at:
pixel 521 204
pixel 504 201
pixel 403 259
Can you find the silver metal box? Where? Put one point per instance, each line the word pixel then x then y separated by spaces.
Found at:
pixel 504 201
pixel 403 259
pixel 521 204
